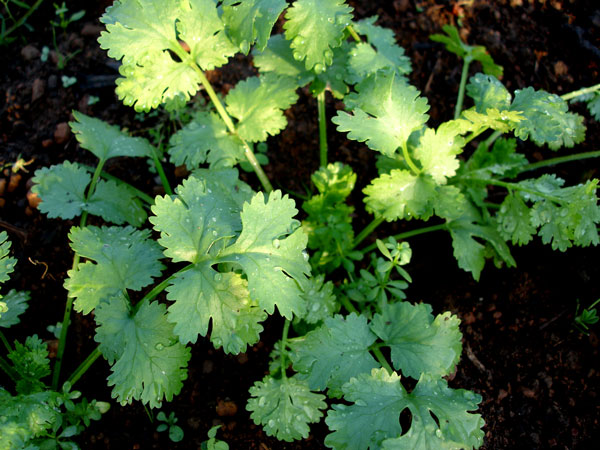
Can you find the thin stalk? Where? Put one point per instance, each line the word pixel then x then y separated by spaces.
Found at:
pixel 560 160
pixel 495 135
pixel 347 304
pixel 23 18
pixel 8 369
pixel 367 230
pixel 579 92
pixel 322 127
pixel 353 33
pixel 107 176
pixel 84 366
pixel 62 341
pixel 284 337
pixel 250 156
pixel 159 288
pixel 5 342
pixel 381 359
pixel 161 173
pixel 409 160
pixel 474 134
pixel 461 87
pixel 518 187
pixel 408 234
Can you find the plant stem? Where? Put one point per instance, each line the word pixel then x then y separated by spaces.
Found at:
pixel 579 92
pixel 367 230
pixel 347 304
pixel 381 359
pixel 84 366
pixel 461 88
pixel 284 337
pixel 250 156
pixel 322 127
pixel 5 342
pixel 161 173
pixel 518 187
pixel 23 18
pixel 353 33
pixel 408 234
pixel 107 176
pixel 159 288
pixel 409 160
pixel 8 369
pixel 560 160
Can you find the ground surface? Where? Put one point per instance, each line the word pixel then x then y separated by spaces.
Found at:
pixel 538 378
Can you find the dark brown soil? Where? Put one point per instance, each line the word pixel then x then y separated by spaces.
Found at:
pixel 539 378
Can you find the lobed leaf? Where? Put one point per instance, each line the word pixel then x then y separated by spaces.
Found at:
pixel 7 263
pixel 437 151
pixel 30 361
pixel 278 58
pixel 514 220
pixel 16 303
pixel 488 93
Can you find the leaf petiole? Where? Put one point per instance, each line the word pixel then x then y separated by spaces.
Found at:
pixel 322 127
pixel 84 366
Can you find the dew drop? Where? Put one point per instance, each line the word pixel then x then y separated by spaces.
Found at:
pixel 276 243
pixel 319 68
pixel 159 346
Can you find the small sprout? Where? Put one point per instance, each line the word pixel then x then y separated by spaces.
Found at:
pixel 587 317
pixel 175 431
pixel 68 81
pixel 213 443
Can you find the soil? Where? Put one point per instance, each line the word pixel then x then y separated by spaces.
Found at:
pixel 539 378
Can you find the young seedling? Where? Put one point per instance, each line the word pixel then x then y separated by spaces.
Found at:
pixel 588 316
pixel 175 431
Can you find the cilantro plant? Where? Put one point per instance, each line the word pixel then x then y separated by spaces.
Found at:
pixel 225 257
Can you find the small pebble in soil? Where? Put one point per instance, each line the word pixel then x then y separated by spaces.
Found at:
pixel 30 52
pixel 38 88
pixel 226 408
pixel 62 132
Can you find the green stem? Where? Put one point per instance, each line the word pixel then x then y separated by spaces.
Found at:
pixel 22 20
pixel 8 369
pixel 408 234
pixel 353 33
pixel 250 156
pixel 322 127
pixel 159 288
pixel 518 187
pixel 409 160
pixel 5 342
pixel 84 366
pixel 107 176
pixel 161 173
pixel 347 304
pixel 379 356
pixel 367 231
pixel 495 135
pixel 560 160
pixel 461 88
pixel 284 337
pixel 474 134
pixel 579 92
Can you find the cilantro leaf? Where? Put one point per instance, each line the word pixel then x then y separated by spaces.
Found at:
pixel 547 120
pixel 378 399
pixel 30 361
pixel 205 138
pixel 258 103
pixel 320 300
pixel 419 342
pixel 487 93
pixel 124 258
pixel 116 203
pixel 502 160
pixel 251 20
pixel 514 220
pixel 203 293
pixel 594 106
pixel 149 361
pixel 315 27
pixel 339 342
pixel 285 407
pixel 16 302
pixel 7 264
pixel 401 195
pixel 106 141
pixel 143 32
pixel 437 151
pixel 386 110
pixel 278 58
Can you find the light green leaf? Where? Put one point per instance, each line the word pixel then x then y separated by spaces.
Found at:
pixel 124 258
pixel 320 300
pixel 378 400
pixel 205 139
pixel 106 141
pixel 514 220
pixel 285 407
pixel 251 21
pixel 7 264
pixel 149 361
pixel 315 27
pixel 202 294
pixel 116 203
pixel 330 355
pixel 419 342
pixel 31 362
pixel 401 195
pixel 271 253
pixel 503 121
pixel 488 93
pixel 278 58
pixel 258 103
pixel 547 120
pixel 16 302
pixel 386 111
pixel 450 203
pixel 437 151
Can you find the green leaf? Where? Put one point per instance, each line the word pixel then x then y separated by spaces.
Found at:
pixel 251 21
pixel 258 103
pixel 437 151
pixel 547 120
pixel 450 203
pixel 401 195
pixel 202 294
pixel 7 264
pixel 594 106
pixel 143 32
pixel 503 121
pixel 487 93
pixel 501 160
pixel 320 300
pixel 419 342
pixel 271 253
pixel 205 138
pixel 149 361
pixel 106 141
pixel 124 258
pixel 30 361
pixel 340 342
pixel 514 220
pixel 315 27
pixel 386 111
pixel 116 203
pixel 278 58
pixel 378 399
pixel 285 407
pixel 16 302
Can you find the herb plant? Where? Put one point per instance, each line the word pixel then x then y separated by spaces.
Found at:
pixel 228 257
